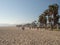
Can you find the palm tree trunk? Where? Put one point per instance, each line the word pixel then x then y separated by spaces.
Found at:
pixel 57 27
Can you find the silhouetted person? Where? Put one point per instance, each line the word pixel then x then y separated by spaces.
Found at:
pixel 23 28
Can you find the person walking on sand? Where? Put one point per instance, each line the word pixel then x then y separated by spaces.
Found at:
pixel 23 28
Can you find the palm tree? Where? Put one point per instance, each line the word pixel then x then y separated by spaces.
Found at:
pixel 53 11
pixel 42 19
pixel 46 12
pixel 34 24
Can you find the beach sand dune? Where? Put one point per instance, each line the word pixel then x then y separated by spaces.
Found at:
pixel 15 36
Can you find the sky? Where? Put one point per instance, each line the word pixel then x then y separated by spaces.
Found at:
pixel 23 11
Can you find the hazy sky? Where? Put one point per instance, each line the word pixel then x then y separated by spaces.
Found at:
pixel 22 11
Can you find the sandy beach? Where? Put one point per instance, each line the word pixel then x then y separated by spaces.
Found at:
pixel 15 36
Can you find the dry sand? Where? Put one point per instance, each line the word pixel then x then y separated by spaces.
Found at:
pixel 15 36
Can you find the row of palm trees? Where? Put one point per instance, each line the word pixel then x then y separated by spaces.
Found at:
pixel 50 15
